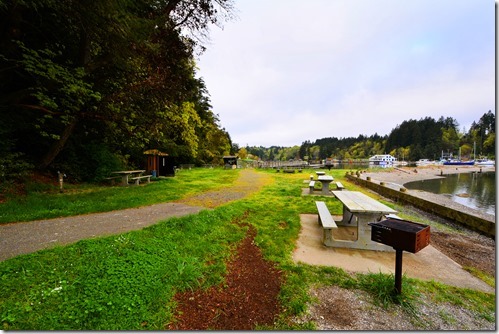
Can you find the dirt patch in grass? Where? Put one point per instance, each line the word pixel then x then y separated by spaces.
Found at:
pixel 247 298
pixel 469 250
pixel 248 183
pixel 249 295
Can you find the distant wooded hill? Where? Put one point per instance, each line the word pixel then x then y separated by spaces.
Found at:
pixel 410 141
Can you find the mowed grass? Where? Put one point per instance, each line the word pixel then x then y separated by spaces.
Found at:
pixel 119 282
pixel 45 201
pixel 127 281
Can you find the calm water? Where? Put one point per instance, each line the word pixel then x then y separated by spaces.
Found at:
pixel 475 190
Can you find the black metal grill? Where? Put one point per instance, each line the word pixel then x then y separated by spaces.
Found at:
pixel 401 234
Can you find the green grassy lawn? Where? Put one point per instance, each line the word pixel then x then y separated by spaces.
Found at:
pixel 44 201
pixel 127 281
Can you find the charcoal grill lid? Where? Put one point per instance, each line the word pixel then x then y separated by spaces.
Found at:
pixel 398 224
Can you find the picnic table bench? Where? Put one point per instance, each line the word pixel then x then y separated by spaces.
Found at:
pixel 138 178
pixel 358 211
pixel 124 174
pixel 327 222
pixel 311 186
pixel 392 216
pixel 339 186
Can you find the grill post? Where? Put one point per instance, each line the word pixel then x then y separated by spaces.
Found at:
pixel 402 235
pixel 398 271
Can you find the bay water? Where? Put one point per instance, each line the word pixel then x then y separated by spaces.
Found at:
pixel 474 190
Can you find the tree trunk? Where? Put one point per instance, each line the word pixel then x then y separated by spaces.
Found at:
pixel 58 145
pixel 84 56
pixel 170 7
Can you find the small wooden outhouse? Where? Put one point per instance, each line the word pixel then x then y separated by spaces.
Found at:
pixel 159 163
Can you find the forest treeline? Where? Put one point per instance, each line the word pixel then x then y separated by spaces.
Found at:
pixel 87 86
pixel 412 140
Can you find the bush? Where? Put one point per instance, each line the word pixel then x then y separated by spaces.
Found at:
pixel 91 162
pixel 13 167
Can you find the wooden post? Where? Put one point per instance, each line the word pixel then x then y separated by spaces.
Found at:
pixel 61 180
pixel 398 271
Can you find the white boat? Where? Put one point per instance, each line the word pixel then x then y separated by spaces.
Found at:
pixel 425 162
pixel 383 160
pixel 485 162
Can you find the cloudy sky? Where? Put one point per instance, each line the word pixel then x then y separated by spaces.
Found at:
pixel 287 71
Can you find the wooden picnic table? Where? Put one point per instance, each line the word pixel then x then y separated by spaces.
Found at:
pixel 359 210
pixel 325 180
pixel 126 173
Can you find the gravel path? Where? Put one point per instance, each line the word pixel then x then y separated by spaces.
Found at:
pixel 28 237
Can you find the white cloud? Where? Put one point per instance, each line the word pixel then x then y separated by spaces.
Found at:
pixel 290 71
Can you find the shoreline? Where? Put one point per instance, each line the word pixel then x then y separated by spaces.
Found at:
pixel 402 175
pixel 398 176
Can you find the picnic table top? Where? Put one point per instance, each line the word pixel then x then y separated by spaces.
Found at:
pixel 129 171
pixel 356 201
pixel 325 178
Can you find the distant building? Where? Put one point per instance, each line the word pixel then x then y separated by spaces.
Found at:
pixel 382 160
pixel 159 163
pixel 230 161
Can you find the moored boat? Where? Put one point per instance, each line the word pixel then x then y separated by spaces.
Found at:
pixel 456 162
pixel 451 161
pixel 485 162
pixel 424 162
